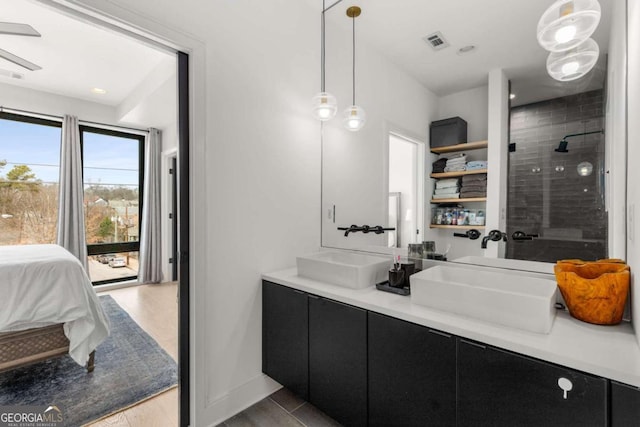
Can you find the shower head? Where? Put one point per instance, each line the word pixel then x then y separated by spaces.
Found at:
pixel 562 148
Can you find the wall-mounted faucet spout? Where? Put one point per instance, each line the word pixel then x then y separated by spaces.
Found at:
pixel 495 236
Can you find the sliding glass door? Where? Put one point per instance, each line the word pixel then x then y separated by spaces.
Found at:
pixel 113 173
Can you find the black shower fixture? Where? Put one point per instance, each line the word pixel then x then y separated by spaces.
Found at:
pixel 562 147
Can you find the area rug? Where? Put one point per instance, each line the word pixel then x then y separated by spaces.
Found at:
pixel 129 367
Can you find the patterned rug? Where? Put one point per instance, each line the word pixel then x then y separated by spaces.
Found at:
pixel 129 367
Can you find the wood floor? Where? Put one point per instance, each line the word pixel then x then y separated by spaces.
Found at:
pixel 155 309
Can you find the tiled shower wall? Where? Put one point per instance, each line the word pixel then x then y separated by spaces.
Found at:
pixel 547 196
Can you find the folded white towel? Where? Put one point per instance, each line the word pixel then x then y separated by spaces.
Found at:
pixel 441 184
pixel 446 182
pixel 449 190
pixel 446 196
pixel 455 168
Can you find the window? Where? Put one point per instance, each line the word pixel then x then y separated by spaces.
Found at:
pixel 29 175
pixel 113 175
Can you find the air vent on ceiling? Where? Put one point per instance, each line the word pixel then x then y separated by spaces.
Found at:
pixel 11 74
pixel 436 40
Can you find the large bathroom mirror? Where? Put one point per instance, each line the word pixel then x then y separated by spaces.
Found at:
pixel 554 150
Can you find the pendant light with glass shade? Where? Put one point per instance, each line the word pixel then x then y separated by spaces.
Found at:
pixel 354 116
pixel 564 30
pixel 325 105
pixel 574 63
pixel 567 24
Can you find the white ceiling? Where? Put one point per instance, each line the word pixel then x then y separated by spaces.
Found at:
pixel 504 32
pixel 76 56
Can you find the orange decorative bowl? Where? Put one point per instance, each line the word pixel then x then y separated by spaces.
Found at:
pixel 595 292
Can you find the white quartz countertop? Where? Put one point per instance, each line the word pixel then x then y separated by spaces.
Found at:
pixel 607 351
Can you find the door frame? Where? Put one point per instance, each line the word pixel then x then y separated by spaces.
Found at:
pixel 130 22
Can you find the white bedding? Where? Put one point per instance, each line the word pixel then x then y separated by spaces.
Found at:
pixel 41 285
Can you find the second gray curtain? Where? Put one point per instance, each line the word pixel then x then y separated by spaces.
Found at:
pixel 71 229
pixel 150 268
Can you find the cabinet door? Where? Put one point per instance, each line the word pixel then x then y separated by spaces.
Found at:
pixel 625 405
pixel 338 360
pixel 498 388
pixel 412 374
pixel 285 337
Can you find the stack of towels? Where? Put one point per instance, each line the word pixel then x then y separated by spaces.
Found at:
pixel 476 164
pixel 473 186
pixel 439 165
pixel 447 189
pixel 457 163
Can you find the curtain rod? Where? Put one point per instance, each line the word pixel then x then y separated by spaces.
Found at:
pixel 59 118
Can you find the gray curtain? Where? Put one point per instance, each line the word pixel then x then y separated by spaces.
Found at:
pixel 71 232
pixel 150 268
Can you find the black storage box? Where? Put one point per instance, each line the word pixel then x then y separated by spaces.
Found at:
pixel 443 133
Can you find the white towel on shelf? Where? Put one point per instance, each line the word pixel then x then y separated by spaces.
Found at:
pixel 446 196
pixel 449 190
pixel 446 183
pixel 455 168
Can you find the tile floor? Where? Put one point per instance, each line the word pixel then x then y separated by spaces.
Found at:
pixel 282 408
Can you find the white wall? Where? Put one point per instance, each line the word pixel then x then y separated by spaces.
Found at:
pixel 255 177
pixel 56 105
pixel 355 164
pixel 615 132
pixel 633 135
pixel 471 105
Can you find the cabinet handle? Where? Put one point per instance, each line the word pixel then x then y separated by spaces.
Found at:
pixel 313 296
pixel 566 385
pixel 475 344
pixel 299 292
pixel 439 333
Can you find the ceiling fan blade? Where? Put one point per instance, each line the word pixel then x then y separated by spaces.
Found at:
pixel 19 61
pixel 18 29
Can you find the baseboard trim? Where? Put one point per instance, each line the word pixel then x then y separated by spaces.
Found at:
pixel 240 398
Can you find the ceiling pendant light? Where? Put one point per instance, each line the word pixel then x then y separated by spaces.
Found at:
pixel 325 105
pixel 354 116
pixel 568 23
pixel 575 63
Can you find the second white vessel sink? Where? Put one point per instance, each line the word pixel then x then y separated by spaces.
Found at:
pixel 351 270
pixel 506 298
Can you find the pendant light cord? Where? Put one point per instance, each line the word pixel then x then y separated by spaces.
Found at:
pixel 353 20
pixel 322 56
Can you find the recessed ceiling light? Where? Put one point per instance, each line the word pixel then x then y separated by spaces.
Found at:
pixel 98 91
pixel 466 49
pixel 512 96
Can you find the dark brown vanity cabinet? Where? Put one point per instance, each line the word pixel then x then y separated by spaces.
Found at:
pixel 625 405
pixel 338 360
pixel 285 337
pixel 412 374
pixel 498 388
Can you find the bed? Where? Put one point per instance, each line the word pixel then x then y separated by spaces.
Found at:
pixel 48 307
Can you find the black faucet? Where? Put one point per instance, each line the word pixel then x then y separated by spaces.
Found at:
pixel 378 229
pixel 472 234
pixel 494 235
pixel 521 235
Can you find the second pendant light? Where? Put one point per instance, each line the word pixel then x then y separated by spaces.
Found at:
pixel 354 116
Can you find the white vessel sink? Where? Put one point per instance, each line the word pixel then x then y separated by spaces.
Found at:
pixel 351 270
pixel 506 298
